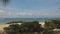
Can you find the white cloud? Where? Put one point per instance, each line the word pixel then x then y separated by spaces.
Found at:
pixel 18 14
pixel 12 14
pixel 24 13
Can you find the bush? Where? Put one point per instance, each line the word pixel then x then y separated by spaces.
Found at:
pixel 24 28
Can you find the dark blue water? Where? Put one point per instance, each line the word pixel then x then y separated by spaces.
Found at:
pixel 5 20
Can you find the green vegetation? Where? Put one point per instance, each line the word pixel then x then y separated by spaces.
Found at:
pixel 20 22
pixel 15 22
pixel 32 27
pixel 50 25
pixel 24 28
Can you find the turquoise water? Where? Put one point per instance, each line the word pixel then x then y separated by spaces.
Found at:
pixel 6 20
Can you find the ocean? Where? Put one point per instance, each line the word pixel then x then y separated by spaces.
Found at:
pixel 6 20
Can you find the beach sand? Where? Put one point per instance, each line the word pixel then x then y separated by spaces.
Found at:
pixel 3 25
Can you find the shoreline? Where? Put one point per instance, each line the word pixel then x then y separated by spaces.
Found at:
pixel 3 25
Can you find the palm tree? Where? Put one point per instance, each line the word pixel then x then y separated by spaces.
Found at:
pixel 5 2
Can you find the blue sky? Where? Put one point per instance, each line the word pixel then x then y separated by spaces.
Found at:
pixel 30 9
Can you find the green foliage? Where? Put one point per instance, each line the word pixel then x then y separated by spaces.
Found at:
pixel 31 27
pixel 15 22
pixel 49 25
pixel 49 32
pixel 57 23
pixel 21 22
pixel 12 29
pixel 52 24
pixel 24 28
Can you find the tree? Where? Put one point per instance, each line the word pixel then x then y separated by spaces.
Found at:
pixel 49 25
pixel 5 2
pixel 57 23
pixel 12 29
pixel 31 27
pixel 24 28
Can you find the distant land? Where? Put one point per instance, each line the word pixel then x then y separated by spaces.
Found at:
pixel 6 20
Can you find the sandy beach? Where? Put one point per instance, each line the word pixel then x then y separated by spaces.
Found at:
pixel 6 25
pixel 3 25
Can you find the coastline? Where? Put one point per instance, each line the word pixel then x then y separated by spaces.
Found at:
pixel 2 26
